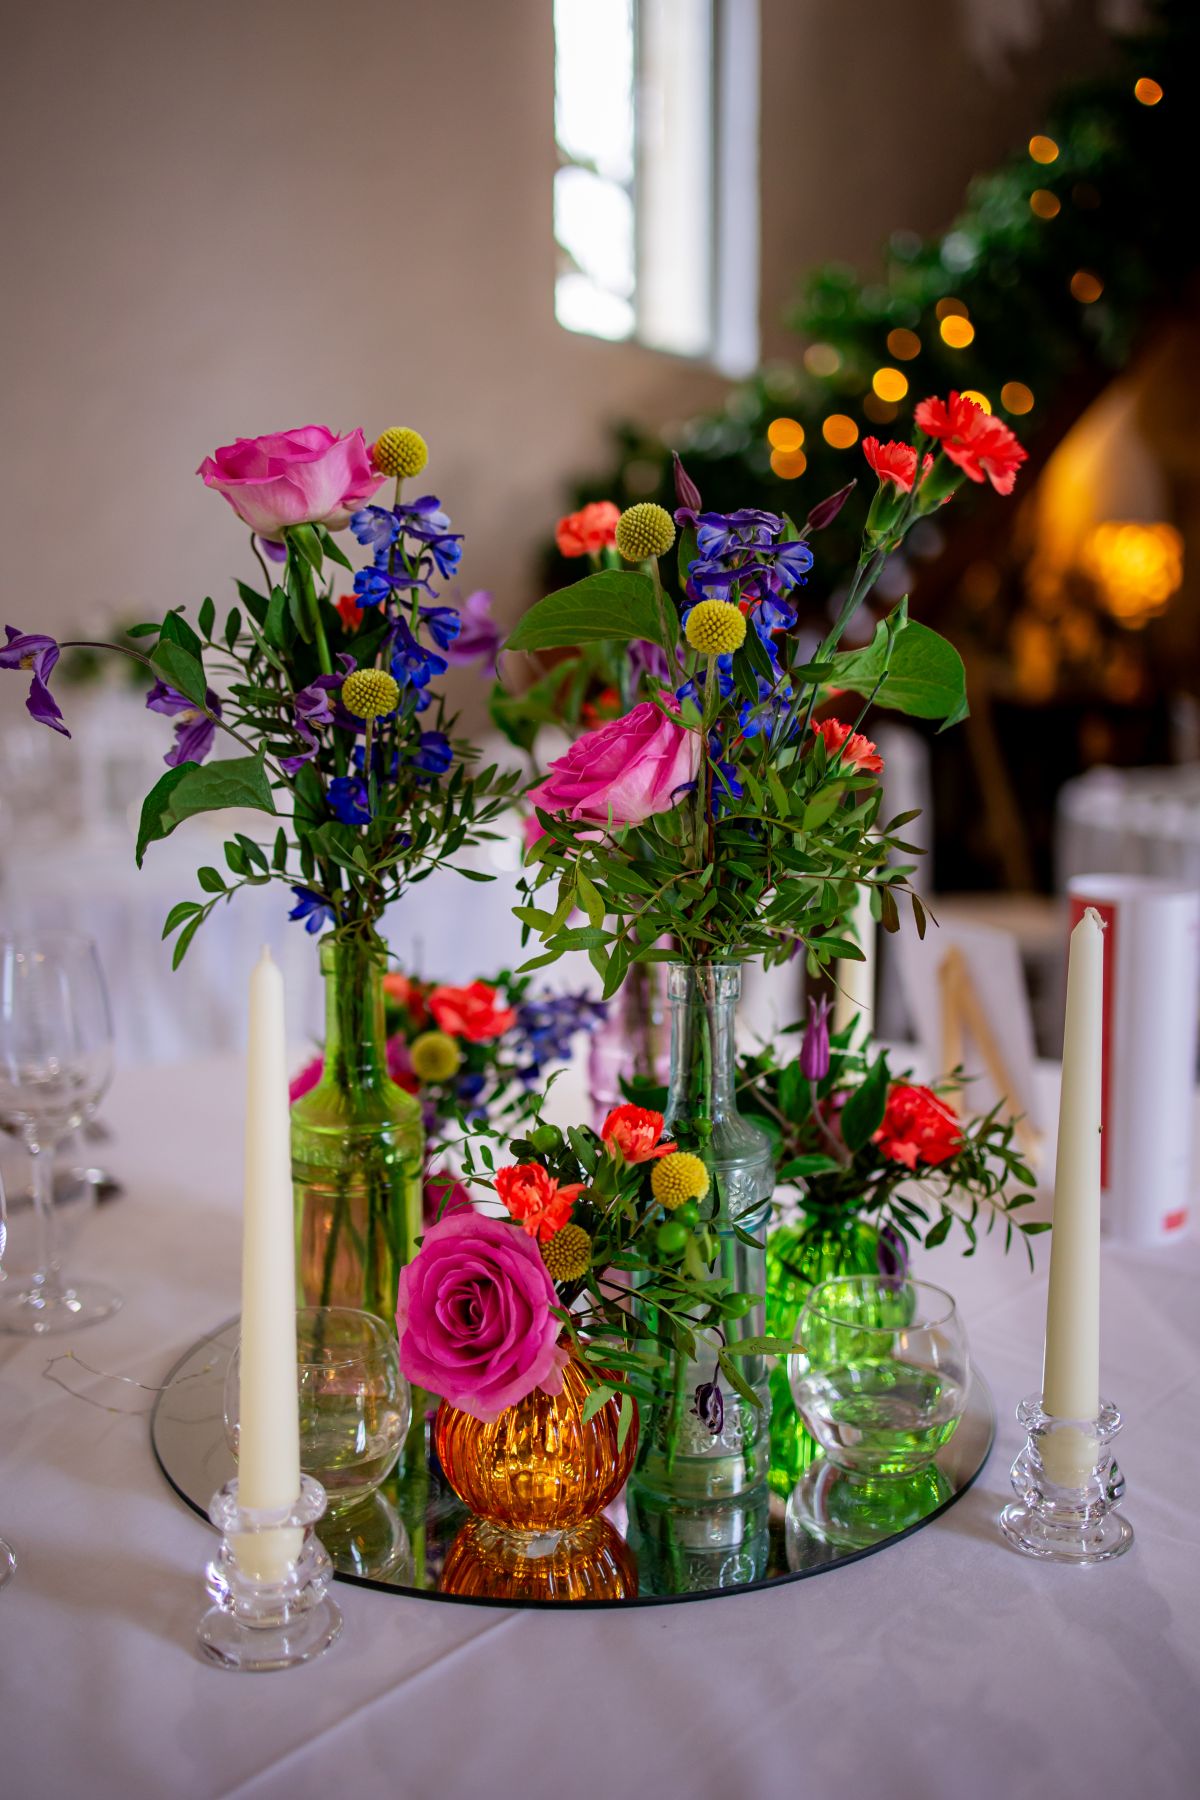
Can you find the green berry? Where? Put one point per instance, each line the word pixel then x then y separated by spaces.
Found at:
pixel 737 1306
pixel 546 1138
pixel 688 1214
pixel 671 1238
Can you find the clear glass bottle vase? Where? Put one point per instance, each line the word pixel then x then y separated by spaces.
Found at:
pixel 358 1148
pixel 704 1443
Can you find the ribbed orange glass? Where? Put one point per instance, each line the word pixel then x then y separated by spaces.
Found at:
pixel 592 1563
pixel 538 1467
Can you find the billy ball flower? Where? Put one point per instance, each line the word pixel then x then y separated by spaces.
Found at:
pixel 645 530
pixel 678 1178
pixel 400 452
pixel 716 628
pixel 435 1056
pixel 568 1254
pixel 370 693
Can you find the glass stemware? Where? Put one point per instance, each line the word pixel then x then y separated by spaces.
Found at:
pixel 880 1372
pixel 8 1561
pixel 56 1060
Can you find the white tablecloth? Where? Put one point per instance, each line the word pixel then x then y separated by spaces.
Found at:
pixel 946 1666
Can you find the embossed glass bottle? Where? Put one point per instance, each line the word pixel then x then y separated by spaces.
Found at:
pixel 704 1442
pixel 358 1147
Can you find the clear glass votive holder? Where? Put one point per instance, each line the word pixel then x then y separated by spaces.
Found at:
pixel 269 1584
pixel 1068 1486
pixel 355 1405
pixel 880 1373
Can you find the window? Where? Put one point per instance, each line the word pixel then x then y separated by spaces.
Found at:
pixel 655 197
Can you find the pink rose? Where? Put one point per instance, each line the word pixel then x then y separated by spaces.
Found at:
pixel 309 476
pixel 632 767
pixel 473 1314
pixel 307 1079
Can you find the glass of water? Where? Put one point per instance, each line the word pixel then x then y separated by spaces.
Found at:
pixel 56 1060
pixel 880 1372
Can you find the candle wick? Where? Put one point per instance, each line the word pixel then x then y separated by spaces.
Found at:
pixel 1089 912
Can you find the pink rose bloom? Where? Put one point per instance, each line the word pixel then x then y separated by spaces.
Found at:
pixel 474 1319
pixel 633 766
pixel 309 476
pixel 307 1079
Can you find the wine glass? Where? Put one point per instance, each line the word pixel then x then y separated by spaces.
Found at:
pixel 56 1058
pixel 8 1561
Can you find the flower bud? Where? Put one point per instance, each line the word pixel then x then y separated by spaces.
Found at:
pixel 826 511
pixel 687 494
pixel 814 1046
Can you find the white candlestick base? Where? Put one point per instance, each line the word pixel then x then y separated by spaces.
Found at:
pixel 258 1624
pixel 1066 1500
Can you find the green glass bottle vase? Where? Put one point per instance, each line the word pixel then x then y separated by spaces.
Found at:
pixel 358 1148
pixel 799 1255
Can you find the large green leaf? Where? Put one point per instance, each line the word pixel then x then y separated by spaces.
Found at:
pixel 180 670
pixel 925 676
pixel 195 788
pixel 611 604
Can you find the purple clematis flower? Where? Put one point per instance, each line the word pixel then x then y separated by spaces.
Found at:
pixel 194 729
pixel 271 549
pixel 316 705
pixel 315 913
pixel 33 651
pixel 479 637
pixel 814 1046
pixel 708 1404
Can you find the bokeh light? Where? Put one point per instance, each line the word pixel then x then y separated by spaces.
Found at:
pixel 1147 90
pixel 880 412
pixel 1015 397
pixel 979 399
pixel 949 307
pixel 1043 149
pixel 785 434
pixel 1136 568
pixel 840 431
pixel 889 384
pixel 1086 287
pixel 903 344
pixel 957 332
pixel 787 464
pixel 1045 204
pixel 822 359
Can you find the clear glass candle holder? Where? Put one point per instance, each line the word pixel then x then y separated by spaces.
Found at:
pixel 355 1405
pixel 269 1584
pixel 880 1372
pixel 1068 1486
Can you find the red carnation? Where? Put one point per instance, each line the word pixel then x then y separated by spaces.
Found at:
pixel 588 531
pixel 533 1196
pixel 918 1128
pixel 471 1012
pixel 350 610
pixel 981 446
pixel 858 752
pixel 635 1131
pixel 894 462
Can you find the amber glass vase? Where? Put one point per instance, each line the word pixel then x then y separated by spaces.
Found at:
pixel 358 1147
pixel 800 1254
pixel 539 1468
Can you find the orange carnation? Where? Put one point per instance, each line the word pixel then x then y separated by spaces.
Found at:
pixel 918 1128
pixel 635 1131
pixel 401 990
pixel 471 1012
pixel 533 1196
pixel 588 531
pixel 858 752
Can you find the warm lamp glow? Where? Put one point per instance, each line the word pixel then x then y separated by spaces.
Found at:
pixel 1043 149
pixel 1136 568
pixel 822 359
pixel 785 435
pixel 1147 91
pixel 951 308
pixel 980 400
pixel 1015 397
pixel 1045 204
pixel 1086 287
pixel 889 384
pixel 880 412
pixel 787 464
pixel 956 331
pixel 903 344
pixel 840 431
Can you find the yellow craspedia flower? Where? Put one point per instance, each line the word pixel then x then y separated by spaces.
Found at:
pixel 435 1056
pixel 645 530
pixel 568 1254
pixel 370 693
pixel 679 1177
pixel 716 627
pixel 400 452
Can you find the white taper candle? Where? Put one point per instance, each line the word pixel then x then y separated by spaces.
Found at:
pixel 1071 1372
